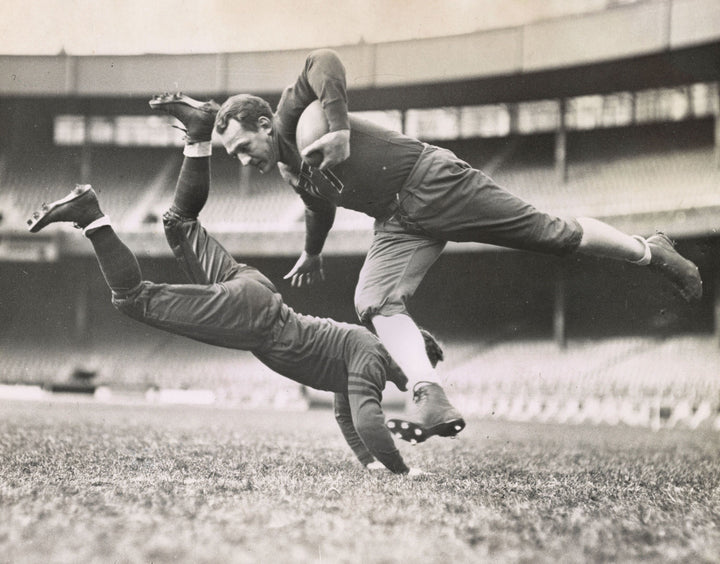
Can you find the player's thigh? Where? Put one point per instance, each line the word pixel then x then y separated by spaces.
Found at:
pixel 204 312
pixel 203 259
pixel 456 202
pixel 487 213
pixel 394 267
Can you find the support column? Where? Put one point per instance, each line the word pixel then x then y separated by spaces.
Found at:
pixel 82 299
pixel 716 298
pixel 717 134
pixel 561 146
pixel 560 307
pixel 85 164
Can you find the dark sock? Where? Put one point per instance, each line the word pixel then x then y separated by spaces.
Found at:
pixel 192 188
pixel 117 262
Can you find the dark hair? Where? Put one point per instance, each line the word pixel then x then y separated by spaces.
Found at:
pixel 245 108
pixel 432 348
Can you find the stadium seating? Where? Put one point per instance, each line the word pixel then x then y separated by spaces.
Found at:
pixel 28 179
pixel 630 380
pixel 633 380
pixel 617 172
pixel 610 172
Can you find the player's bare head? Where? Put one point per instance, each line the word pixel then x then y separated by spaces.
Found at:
pixel 246 109
pixel 432 348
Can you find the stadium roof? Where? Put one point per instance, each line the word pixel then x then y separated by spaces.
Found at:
pixel 135 27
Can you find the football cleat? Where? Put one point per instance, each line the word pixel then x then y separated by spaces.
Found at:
pixel 434 415
pixel 683 274
pixel 198 118
pixel 407 431
pixel 79 207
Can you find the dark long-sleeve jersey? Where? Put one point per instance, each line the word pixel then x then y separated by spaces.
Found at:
pixel 380 161
pixel 235 306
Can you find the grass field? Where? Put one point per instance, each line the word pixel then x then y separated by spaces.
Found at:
pixel 87 482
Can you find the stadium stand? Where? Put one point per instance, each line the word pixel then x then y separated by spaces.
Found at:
pixel 27 176
pixel 623 369
pixel 657 382
pixel 613 172
pixel 621 171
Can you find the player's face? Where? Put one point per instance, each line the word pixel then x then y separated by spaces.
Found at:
pixel 254 148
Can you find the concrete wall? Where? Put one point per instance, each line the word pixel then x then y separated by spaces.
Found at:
pixel 617 33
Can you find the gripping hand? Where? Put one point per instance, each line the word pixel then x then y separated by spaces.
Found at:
pixel 334 147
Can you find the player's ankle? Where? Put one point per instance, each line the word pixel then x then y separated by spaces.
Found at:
pixel 418 383
pixel 644 259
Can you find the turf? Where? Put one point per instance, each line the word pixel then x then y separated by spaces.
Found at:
pixel 86 482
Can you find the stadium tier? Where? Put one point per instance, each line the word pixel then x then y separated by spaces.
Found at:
pixel 610 172
pixel 621 172
pixel 629 135
pixel 632 380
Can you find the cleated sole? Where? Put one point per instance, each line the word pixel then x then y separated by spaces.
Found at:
pixel 167 99
pixel 42 218
pixel 415 433
pixel 448 429
pixel 407 431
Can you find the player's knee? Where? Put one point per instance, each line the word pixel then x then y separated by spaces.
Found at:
pixel 175 216
pixel 172 222
pixel 368 306
pixel 340 415
pixel 128 302
pixel 177 231
pixel 365 429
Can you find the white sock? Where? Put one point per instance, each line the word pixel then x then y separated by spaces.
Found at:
pixel 201 149
pixel 645 259
pixel 99 222
pixel 403 340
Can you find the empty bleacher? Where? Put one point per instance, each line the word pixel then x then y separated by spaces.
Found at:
pixel 617 172
pixel 611 172
pixel 630 380
pixel 632 170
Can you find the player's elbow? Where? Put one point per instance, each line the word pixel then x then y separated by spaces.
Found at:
pixel 325 55
pixel 367 430
pixel 341 416
pixel 328 61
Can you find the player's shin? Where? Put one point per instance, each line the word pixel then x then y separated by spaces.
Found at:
pixel 402 338
pixel 193 184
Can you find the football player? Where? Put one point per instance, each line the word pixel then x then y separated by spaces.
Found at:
pixel 233 305
pixel 421 197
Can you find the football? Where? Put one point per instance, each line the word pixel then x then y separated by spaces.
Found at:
pixel 311 126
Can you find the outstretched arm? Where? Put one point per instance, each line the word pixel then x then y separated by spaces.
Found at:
pixel 319 219
pixel 369 422
pixel 344 420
